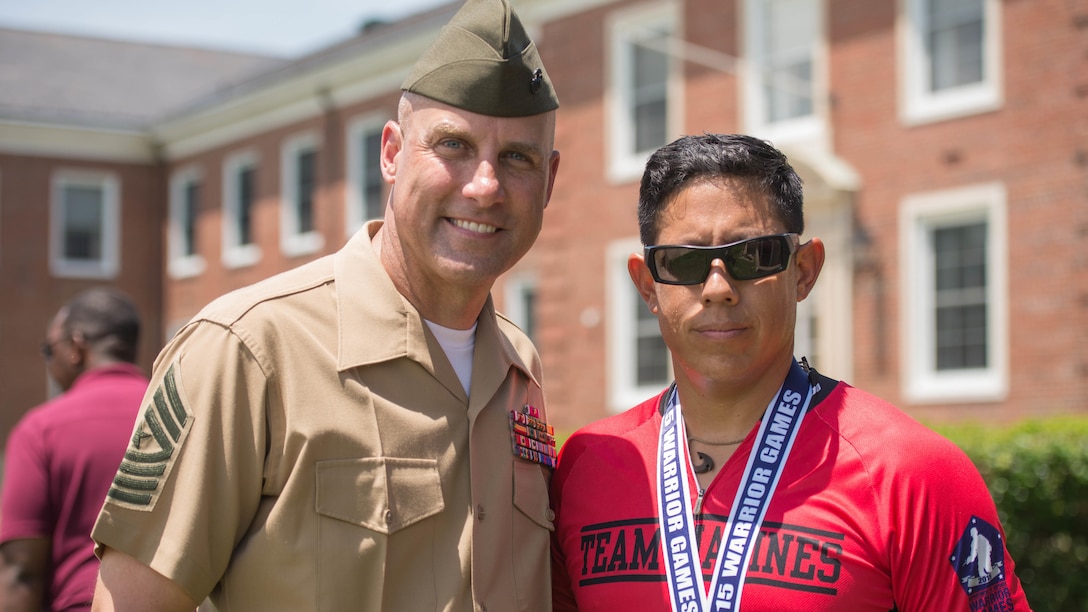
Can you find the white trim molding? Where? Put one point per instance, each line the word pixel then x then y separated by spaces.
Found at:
pixel 919 103
pixel 920 216
pixel 180 263
pixel 237 254
pixel 295 242
pixel 358 163
pixel 107 264
pixel 627 30
pixel 624 330
pixel 810 128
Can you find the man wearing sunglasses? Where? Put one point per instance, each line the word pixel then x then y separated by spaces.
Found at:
pixel 754 482
pixel 61 457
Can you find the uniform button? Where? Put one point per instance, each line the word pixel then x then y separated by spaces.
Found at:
pixel 388 516
pixel 550 514
pixel 480 512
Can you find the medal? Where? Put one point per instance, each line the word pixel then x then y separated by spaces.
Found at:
pixel 533 439
pixel 766 461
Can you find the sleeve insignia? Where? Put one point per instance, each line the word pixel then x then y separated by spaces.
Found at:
pixel 150 454
pixel 979 561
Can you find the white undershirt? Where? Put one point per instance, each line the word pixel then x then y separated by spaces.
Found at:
pixel 458 345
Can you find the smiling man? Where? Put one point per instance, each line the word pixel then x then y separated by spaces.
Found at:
pixel 753 482
pixel 344 436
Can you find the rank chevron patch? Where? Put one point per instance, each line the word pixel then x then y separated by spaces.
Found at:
pixel 151 452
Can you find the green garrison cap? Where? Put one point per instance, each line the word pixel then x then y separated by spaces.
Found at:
pixel 484 62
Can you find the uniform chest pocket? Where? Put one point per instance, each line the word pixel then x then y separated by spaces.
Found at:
pixel 383 494
pixel 531 493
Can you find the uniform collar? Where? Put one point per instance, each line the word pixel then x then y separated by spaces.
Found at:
pixel 119 368
pixel 378 324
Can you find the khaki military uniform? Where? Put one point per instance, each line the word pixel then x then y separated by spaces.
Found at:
pixel 306 445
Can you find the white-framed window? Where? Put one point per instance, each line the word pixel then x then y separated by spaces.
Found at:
pixel 953 266
pixel 298 189
pixel 239 205
pixel 950 63
pixel 85 225
pixel 365 186
pixel 519 302
pixel 643 101
pixel 186 188
pixel 639 365
pixel 782 40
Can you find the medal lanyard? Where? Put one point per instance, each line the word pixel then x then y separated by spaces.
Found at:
pixel 774 441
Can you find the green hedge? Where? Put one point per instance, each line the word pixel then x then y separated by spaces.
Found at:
pixel 1037 472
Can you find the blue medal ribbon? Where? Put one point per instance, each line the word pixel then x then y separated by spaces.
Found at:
pixel 774 441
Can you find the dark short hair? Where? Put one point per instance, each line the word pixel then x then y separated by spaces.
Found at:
pixel 711 156
pixel 107 319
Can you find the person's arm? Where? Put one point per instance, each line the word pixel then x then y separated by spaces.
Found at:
pixel 127 584
pixel 931 548
pixel 24 570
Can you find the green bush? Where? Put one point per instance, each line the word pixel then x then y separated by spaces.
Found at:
pixel 1037 472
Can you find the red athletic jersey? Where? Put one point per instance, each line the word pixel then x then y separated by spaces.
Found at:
pixel 874 512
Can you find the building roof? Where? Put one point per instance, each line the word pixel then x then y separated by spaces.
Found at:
pixel 75 80
pixel 372 37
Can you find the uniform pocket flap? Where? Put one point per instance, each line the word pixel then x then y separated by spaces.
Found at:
pixel 383 494
pixel 531 493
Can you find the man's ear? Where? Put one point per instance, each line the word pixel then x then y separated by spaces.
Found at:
pixel 809 259
pixel 392 142
pixel 80 348
pixel 643 280
pixel 553 165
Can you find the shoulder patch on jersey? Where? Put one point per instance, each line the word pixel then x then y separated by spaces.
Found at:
pixel 979 561
pixel 150 455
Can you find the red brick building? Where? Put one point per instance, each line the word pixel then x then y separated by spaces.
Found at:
pixel 944 148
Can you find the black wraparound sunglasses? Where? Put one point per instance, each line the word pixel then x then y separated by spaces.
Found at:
pixel 675 264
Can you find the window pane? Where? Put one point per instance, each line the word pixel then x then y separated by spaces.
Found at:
pixel 790 40
pixel 959 255
pixel 787 91
pixel 190 202
pixel 649 98
pixel 652 361
pixel 83 210
pixel 653 366
pixel 528 303
pixel 650 125
pixel 961 337
pixel 306 170
pixel 373 205
pixel 955 43
pixel 245 205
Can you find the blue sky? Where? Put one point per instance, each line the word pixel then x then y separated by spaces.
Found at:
pixel 287 28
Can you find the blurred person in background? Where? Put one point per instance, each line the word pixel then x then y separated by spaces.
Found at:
pixel 62 455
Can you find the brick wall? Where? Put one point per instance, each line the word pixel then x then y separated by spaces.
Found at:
pixel 30 296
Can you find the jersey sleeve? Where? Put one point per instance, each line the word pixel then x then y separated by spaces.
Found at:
pixel 26 511
pixel 563 599
pixel 191 479
pixel 947 544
